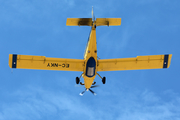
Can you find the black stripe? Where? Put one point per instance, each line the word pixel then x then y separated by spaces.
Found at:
pixel 165 64
pixel 14 61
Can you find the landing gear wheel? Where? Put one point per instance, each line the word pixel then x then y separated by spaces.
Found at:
pixel 104 80
pixel 77 80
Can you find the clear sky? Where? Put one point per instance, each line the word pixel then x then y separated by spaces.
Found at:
pixel 38 27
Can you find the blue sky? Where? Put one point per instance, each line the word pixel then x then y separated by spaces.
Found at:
pixel 31 27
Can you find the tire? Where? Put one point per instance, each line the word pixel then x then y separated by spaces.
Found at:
pixel 77 80
pixel 104 80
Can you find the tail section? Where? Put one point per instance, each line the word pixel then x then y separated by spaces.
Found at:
pixel 89 22
pixel 93 22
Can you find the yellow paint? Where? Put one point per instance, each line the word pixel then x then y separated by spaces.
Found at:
pixel 140 62
pixel 91 51
pixel 10 60
pixel 46 63
pixel 79 22
pixel 169 60
pixel 108 21
pixel 90 22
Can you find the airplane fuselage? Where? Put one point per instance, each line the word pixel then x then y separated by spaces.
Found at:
pixel 90 58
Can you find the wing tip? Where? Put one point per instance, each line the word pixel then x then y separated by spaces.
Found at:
pixel 167 60
pixel 170 56
pixel 12 60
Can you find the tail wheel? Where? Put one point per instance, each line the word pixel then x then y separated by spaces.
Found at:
pixel 104 80
pixel 77 80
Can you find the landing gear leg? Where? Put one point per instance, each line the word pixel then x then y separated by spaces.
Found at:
pixel 94 83
pixel 103 79
pixel 78 79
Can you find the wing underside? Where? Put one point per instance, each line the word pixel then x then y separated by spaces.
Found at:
pixel 138 63
pixel 45 63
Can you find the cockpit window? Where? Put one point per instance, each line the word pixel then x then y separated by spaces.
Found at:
pixel 90 67
pixel 90 71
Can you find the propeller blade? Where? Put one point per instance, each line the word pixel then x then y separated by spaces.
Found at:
pixel 94 86
pixel 82 93
pixel 92 92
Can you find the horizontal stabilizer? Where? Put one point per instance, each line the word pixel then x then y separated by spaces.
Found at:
pixel 108 21
pixel 79 22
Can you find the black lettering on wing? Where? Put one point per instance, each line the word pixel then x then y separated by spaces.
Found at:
pixel 52 64
pixel 48 65
pixel 56 64
pixel 67 65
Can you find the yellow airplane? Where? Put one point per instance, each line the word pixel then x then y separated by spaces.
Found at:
pixel 90 65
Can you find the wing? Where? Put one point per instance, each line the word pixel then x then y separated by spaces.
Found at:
pixel 45 63
pixel 140 62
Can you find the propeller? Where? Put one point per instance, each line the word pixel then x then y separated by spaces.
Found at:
pixel 92 92
pixel 94 86
pixel 82 93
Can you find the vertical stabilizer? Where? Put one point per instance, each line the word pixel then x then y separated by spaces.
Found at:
pixel 93 17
